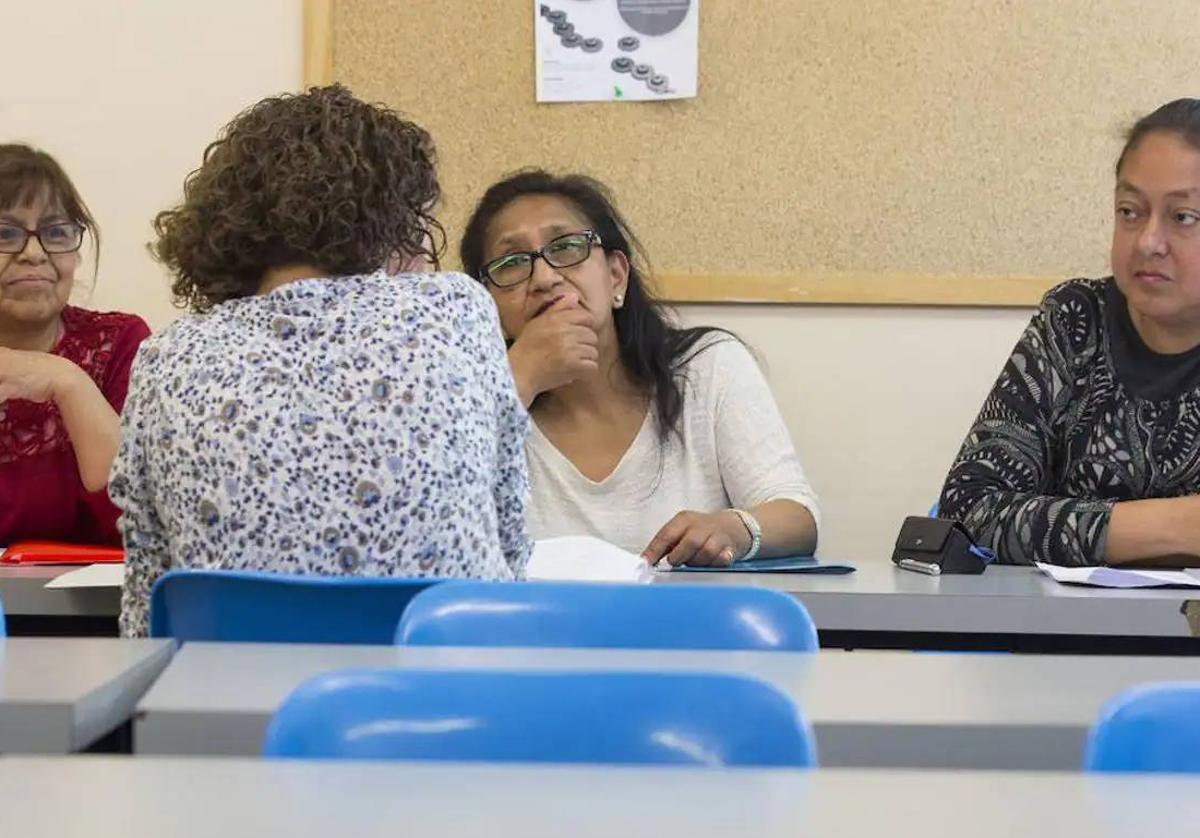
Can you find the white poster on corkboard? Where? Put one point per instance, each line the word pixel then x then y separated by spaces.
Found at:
pixel 616 50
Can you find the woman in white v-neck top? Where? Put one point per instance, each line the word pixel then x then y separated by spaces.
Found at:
pixel 662 440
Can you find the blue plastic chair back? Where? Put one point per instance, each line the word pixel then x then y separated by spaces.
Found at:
pixel 247 606
pixel 1151 728
pixel 703 719
pixel 2 629
pixel 726 617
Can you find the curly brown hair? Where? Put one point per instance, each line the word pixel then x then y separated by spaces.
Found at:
pixel 317 178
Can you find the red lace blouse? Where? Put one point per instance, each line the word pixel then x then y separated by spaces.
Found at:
pixel 41 495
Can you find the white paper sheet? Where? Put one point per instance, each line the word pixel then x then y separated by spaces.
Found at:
pixel 109 575
pixel 581 558
pixel 615 50
pixel 1111 577
pixel 574 558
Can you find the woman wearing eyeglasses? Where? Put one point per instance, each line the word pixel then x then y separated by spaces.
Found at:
pixel 662 440
pixel 63 370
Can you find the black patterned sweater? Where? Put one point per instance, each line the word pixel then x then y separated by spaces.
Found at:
pixel 1082 416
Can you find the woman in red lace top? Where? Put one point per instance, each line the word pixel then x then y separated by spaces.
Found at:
pixel 63 370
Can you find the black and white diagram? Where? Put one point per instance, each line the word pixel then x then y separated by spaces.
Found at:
pixel 616 50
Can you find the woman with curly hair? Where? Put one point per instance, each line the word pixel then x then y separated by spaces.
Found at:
pixel 325 409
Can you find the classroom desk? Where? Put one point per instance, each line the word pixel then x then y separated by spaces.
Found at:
pixel 868 709
pixel 32 610
pixel 249 798
pixel 1006 608
pixel 59 695
pixel 877 607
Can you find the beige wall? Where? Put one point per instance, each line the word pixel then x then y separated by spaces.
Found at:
pixel 877 400
pixel 128 93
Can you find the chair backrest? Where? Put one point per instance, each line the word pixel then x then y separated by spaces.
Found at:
pixel 727 617
pixel 2 628
pixel 1155 727
pixel 704 719
pixel 278 608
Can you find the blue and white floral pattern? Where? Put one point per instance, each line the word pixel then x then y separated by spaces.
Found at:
pixel 355 425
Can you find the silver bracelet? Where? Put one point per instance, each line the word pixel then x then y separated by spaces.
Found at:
pixel 752 527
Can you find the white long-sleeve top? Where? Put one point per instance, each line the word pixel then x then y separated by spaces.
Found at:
pixel 732 450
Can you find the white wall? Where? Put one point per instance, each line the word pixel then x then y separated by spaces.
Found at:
pixel 127 93
pixel 877 399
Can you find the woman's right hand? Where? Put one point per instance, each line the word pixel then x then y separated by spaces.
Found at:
pixel 1156 532
pixel 554 349
pixel 36 376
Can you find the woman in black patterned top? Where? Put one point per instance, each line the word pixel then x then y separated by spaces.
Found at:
pixel 1087 450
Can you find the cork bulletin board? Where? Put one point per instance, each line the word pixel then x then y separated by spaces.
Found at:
pixel 924 152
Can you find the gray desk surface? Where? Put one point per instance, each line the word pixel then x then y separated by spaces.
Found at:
pixel 62 694
pixel 23 592
pixel 248 798
pixel 1016 600
pixel 877 598
pixel 868 709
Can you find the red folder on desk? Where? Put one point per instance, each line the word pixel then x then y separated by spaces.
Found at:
pixel 50 552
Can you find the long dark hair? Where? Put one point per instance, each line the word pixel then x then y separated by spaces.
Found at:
pixel 1180 117
pixel 652 347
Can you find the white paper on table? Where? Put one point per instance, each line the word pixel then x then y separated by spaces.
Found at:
pixel 582 558
pixel 1112 577
pixel 108 575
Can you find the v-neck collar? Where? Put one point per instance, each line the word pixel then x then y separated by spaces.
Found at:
pixel 645 428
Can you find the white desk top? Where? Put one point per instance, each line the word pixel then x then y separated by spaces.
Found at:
pixel 869 709
pixel 23 592
pixel 1003 599
pixel 200 798
pixel 61 694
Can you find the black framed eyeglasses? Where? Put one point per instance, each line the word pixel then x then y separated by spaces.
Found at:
pixel 65 237
pixel 562 252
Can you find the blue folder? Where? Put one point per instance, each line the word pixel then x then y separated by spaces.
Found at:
pixel 786 564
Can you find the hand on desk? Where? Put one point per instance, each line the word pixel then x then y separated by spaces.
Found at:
pixel 711 539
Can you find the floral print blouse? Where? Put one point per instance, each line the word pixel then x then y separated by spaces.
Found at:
pixel 362 425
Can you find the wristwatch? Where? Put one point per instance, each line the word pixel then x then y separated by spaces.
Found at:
pixel 752 527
